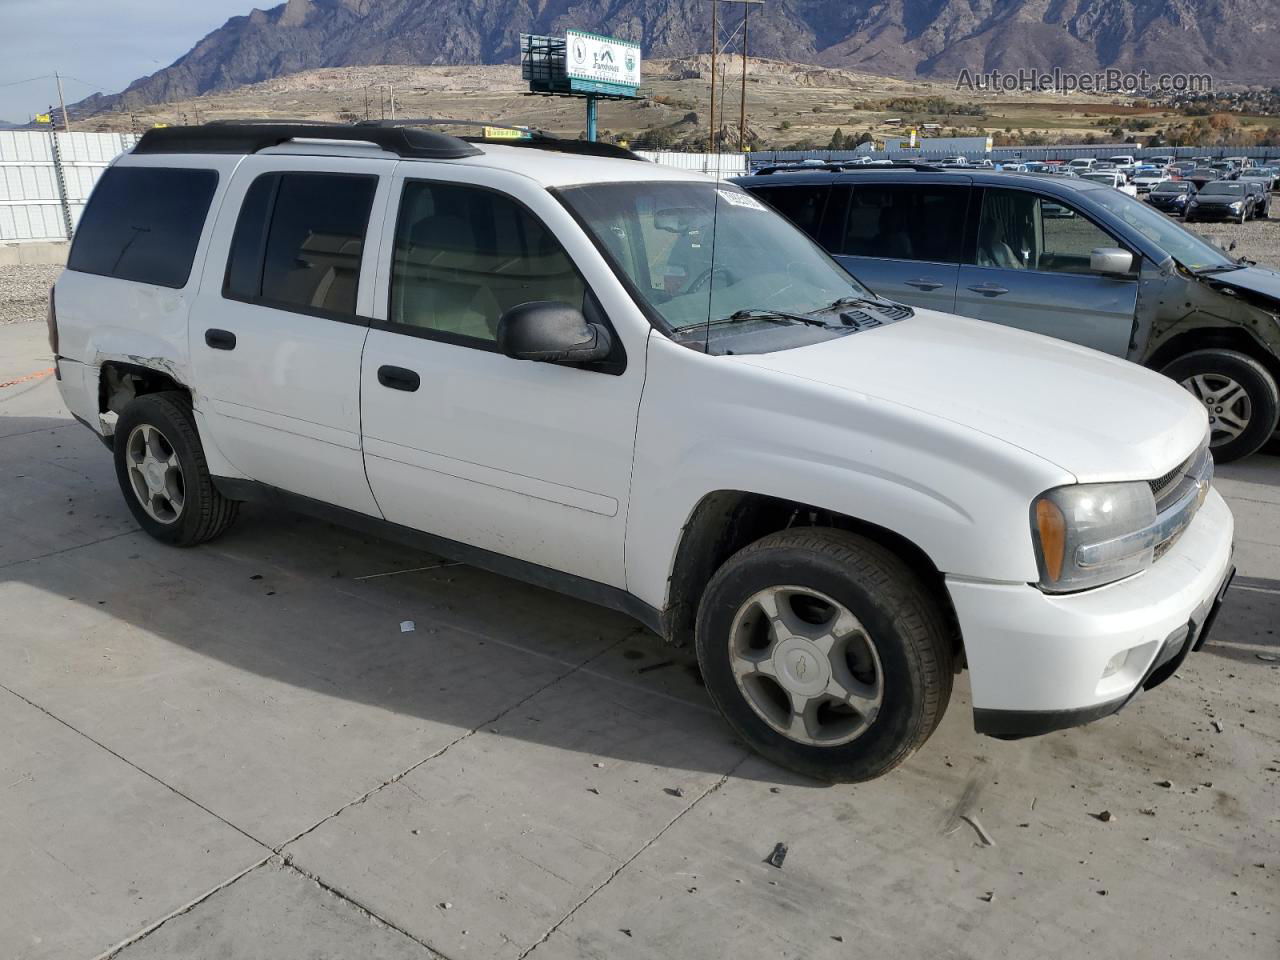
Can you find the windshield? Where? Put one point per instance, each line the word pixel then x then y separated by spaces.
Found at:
pixel 1172 187
pixel 1108 178
pixel 1179 243
pixel 1227 189
pixel 704 251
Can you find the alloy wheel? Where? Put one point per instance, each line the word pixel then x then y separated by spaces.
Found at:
pixel 155 473
pixel 806 665
pixel 1228 403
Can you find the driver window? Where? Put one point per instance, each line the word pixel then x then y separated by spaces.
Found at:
pixel 464 256
pixel 1018 230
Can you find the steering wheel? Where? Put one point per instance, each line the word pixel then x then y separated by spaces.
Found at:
pixel 706 276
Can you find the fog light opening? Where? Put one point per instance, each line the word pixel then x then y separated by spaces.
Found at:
pixel 1115 664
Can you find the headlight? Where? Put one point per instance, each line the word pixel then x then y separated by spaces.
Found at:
pixel 1090 534
pixel 1236 205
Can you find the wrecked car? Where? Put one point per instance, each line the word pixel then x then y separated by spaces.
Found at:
pixel 1063 257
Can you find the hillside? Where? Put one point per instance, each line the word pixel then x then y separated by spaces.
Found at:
pixel 1233 40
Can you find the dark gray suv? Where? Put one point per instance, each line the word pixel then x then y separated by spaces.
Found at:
pixel 1063 257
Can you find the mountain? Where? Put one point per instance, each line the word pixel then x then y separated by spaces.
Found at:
pixel 1235 41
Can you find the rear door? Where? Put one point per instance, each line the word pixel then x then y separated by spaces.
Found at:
pixel 1029 267
pixel 278 328
pixel 903 240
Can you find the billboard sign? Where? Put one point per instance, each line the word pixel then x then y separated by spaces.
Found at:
pixel 592 59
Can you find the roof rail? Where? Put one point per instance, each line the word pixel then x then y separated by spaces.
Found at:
pixel 250 136
pixel 837 166
pixel 536 139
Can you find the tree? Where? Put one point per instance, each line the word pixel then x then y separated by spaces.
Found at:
pixel 837 140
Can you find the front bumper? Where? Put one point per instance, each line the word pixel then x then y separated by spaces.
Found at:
pixel 1037 661
pixel 1212 213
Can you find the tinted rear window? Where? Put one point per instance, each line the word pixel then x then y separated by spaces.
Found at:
pixel 803 206
pixel 299 241
pixel 143 224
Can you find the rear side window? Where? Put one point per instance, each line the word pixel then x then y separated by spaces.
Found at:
pixel 299 241
pixel 803 206
pixel 143 224
pixel 906 222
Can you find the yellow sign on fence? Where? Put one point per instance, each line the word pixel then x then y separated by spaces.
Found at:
pixel 43 118
pixel 504 133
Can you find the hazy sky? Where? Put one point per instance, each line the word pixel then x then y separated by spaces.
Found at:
pixel 103 44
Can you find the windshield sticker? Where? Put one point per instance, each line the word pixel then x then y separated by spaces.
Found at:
pixel 740 199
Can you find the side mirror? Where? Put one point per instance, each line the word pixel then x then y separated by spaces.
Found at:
pixel 551 332
pixel 1111 261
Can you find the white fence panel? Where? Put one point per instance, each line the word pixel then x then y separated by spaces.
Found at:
pixel 722 165
pixel 34 205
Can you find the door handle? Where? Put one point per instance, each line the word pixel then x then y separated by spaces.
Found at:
pixel 398 378
pixel 220 339
pixel 924 284
pixel 989 289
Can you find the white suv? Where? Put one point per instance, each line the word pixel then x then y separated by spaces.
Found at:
pixel 641 387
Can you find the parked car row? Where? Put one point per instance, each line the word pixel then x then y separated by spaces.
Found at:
pixel 1064 257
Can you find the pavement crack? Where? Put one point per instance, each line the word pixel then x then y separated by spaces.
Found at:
pixel 152 928
pixel 454 742
pixel 77 546
pixel 142 770
pixel 287 861
pixel 626 863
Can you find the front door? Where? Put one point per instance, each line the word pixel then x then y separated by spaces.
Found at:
pixel 1030 269
pixel 903 240
pixel 276 337
pixel 529 460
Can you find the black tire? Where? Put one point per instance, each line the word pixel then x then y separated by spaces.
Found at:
pixel 1259 387
pixel 903 618
pixel 204 513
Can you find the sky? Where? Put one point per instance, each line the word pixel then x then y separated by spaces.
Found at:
pixel 97 45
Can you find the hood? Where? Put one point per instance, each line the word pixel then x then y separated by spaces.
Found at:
pixel 1259 280
pixel 1093 415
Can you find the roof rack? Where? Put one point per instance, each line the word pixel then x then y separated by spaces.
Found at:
pixel 837 166
pixel 250 136
pixel 535 139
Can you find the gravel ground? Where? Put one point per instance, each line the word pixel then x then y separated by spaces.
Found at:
pixel 1256 239
pixel 24 291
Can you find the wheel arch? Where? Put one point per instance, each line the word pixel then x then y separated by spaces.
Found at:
pixel 1215 338
pixel 725 521
pixel 122 381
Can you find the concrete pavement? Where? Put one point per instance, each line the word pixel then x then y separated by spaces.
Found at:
pixel 234 751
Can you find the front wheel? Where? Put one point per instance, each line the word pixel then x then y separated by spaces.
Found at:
pixel 825 653
pixel 1239 395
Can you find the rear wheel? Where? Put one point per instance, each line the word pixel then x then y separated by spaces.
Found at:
pixel 825 653
pixel 162 472
pixel 1239 395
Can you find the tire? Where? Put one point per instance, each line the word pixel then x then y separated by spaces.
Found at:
pixel 1250 418
pixel 184 508
pixel 902 647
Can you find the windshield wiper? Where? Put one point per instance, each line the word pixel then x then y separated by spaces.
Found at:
pixel 1220 268
pixel 760 313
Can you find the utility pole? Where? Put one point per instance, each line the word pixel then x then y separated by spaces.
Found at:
pixel 715 50
pixel 66 123
pixel 393 100
pixel 715 43
pixel 742 107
